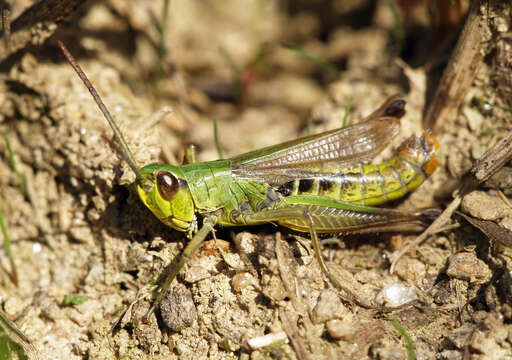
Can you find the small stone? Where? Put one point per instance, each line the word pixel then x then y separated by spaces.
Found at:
pixel 460 336
pixel 14 306
pixel 486 345
pixel 450 355
pixel 466 266
pixel 395 295
pixel 246 242
pixel 329 306
pixel 385 351
pixel 229 345
pixel 411 270
pixel 483 206
pixel 424 350
pixel 340 329
pixel 501 24
pixel 146 331
pixel 96 274
pixel 177 308
pixel 274 288
pixel 474 117
pixel 272 339
pixel 196 273
pixel 241 281
pixel 50 309
pixel 81 234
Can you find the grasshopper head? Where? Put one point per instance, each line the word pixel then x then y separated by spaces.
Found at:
pixel 169 198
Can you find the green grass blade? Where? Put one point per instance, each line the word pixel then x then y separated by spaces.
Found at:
pixel 216 139
pixel 347 111
pixel 398 28
pixel 7 244
pixel 409 344
pixel 324 64
pixel 12 162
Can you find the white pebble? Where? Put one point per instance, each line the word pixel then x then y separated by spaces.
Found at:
pixel 267 340
pixel 36 248
pixel 395 295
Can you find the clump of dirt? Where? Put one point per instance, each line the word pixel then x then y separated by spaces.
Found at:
pixel 80 229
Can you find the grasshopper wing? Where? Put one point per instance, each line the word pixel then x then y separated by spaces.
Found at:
pixel 356 144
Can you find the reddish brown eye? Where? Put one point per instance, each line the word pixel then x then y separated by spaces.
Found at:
pixel 167 185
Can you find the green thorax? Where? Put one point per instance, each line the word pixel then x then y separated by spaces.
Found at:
pixel 213 188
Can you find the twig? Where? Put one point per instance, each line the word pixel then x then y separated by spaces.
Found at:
pixel 460 71
pixel 432 229
pixel 290 328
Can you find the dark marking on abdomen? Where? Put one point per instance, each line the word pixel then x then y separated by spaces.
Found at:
pixel 305 185
pixel 286 189
pixel 325 185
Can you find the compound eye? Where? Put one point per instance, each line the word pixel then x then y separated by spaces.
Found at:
pixel 396 108
pixel 167 185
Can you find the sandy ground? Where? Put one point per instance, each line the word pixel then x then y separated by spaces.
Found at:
pixel 80 231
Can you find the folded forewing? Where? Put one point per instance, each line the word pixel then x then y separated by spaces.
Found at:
pixel 356 144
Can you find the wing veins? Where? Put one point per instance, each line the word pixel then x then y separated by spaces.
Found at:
pixel 356 144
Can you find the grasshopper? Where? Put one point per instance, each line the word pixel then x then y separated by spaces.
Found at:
pixel 316 184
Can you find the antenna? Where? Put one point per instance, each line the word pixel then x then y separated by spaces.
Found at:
pixel 127 154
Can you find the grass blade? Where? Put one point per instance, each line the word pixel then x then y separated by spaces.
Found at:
pixel 347 111
pixel 7 244
pixel 398 31
pixel 12 162
pixel 409 344
pixel 324 64
pixel 216 138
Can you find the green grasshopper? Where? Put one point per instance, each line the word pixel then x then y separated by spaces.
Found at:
pixel 318 184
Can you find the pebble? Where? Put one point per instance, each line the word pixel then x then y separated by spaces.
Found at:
pixel 474 117
pixel 177 308
pixel 412 270
pixel 273 288
pixel 483 206
pixel 196 273
pixel 460 336
pixel 267 340
pixel 487 346
pixel 241 281
pixel 14 307
pixel 329 306
pixel 466 266
pixel 340 329
pixel 147 333
pixel 395 295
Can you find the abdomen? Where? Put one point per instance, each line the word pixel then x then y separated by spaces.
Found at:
pixel 414 161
